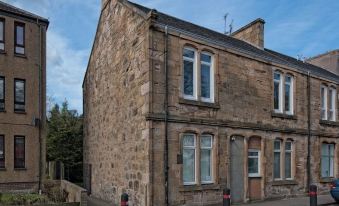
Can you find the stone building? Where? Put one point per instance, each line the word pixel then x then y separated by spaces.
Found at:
pixel 328 60
pixel 22 98
pixel 174 113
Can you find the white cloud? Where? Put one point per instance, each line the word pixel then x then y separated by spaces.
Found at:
pixel 66 67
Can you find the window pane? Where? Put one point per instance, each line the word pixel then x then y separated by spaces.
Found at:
pixel 2 88
pixel 288 97
pixel 253 154
pixel 288 146
pixel 323 97
pixel 325 150
pixel 325 166
pixel 1 30
pixel 205 81
pixel 276 165
pixel 277 76
pixel 277 145
pixel 206 141
pixel 19 91
pixel 206 165
pixel 331 149
pixel 288 164
pixel 189 140
pixel 20 35
pixel 205 58
pixel 2 152
pixel 276 95
pixel 253 165
pixel 331 163
pixel 19 50
pixel 19 161
pixel 189 165
pixel 188 77
pixel 189 53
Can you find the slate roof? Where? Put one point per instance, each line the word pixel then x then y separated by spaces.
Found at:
pixel 4 7
pixel 242 46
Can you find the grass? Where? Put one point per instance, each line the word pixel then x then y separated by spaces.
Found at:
pixel 22 199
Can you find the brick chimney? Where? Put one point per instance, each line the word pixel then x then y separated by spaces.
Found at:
pixel 252 33
pixel 328 61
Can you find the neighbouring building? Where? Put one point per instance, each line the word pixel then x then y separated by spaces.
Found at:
pixel 22 99
pixel 174 113
pixel 328 60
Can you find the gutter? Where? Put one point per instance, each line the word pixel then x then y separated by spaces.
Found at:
pixel 309 178
pixel 166 115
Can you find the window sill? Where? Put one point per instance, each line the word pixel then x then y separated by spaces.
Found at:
pixel 20 112
pixel 2 169
pixel 190 188
pixel 199 103
pixel 329 123
pixel 3 52
pixel 284 182
pixel 326 179
pixel 254 176
pixel 2 111
pixel 20 55
pixel 283 116
pixel 20 169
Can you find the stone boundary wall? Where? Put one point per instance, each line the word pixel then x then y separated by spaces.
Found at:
pixel 75 192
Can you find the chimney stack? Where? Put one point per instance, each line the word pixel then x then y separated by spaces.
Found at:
pixel 252 33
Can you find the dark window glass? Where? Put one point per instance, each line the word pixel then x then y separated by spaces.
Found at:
pixel 2 93
pixel 205 81
pixel 2 151
pixel 188 77
pixel 19 38
pixel 19 102
pixel 2 34
pixel 19 152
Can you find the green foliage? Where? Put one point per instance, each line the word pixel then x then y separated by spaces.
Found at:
pixel 64 140
pixel 22 199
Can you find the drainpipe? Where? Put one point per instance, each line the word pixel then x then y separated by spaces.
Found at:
pixel 166 115
pixel 39 108
pixel 308 130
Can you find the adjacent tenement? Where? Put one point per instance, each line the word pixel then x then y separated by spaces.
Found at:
pixel 22 99
pixel 174 113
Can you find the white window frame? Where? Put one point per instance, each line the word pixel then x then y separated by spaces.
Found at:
pixel 332 107
pixel 290 152
pixel 280 155
pixel 259 162
pixel 324 106
pixel 280 81
pixel 211 167
pixel 291 97
pixel 195 157
pixel 195 71
pixel 330 156
pixel 211 99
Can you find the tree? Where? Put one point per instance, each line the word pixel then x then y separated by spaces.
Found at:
pixel 64 140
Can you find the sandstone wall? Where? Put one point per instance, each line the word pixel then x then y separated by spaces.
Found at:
pixel 115 94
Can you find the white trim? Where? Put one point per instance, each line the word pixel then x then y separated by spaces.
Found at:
pixel 211 65
pixel 259 162
pixel 195 157
pixel 211 160
pixel 280 103
pixel 195 81
pixel 291 96
pixel 332 106
pixel 323 107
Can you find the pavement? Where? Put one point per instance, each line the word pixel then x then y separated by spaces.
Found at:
pixel 323 200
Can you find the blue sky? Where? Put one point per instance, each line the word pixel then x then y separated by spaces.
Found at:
pixel 293 27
